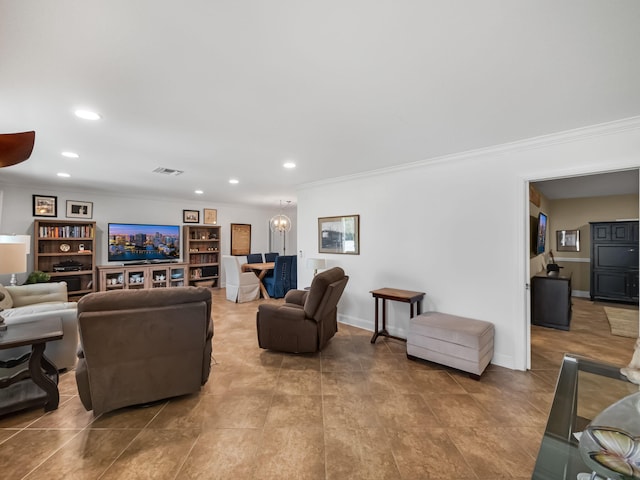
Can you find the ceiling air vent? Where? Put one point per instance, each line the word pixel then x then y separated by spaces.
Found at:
pixel 168 171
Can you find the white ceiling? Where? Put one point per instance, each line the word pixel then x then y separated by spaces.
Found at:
pixel 225 89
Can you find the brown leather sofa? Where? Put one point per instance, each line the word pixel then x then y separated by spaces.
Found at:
pixel 139 346
pixel 307 320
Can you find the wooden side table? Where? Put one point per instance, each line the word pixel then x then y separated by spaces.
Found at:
pixel 406 296
pixel 25 388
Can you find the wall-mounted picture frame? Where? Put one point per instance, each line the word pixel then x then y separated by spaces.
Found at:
pixel 210 216
pixel 79 209
pixel 190 216
pixel 339 234
pixel 240 239
pixel 45 206
pixel 568 240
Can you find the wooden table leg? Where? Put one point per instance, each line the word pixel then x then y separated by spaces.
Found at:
pixel 36 364
pixel 375 331
pixel 263 289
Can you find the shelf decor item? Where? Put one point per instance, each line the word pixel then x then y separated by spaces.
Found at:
pixel 45 206
pixel 339 234
pixel 191 216
pixel 78 209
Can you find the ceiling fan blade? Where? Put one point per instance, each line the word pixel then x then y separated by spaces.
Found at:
pixel 15 147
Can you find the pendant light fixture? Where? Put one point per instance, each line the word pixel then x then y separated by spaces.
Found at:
pixel 281 224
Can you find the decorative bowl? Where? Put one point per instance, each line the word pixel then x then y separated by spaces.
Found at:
pixel 610 445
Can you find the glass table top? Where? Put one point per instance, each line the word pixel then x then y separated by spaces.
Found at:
pixel 584 389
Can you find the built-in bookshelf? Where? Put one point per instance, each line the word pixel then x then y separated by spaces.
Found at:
pixel 201 245
pixel 65 249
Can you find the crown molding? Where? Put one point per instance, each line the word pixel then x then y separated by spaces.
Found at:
pixel 543 141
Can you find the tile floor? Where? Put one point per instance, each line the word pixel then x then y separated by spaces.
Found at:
pixel 354 411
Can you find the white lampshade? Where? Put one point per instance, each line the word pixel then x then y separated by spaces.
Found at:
pixel 316 264
pixel 26 239
pixel 13 258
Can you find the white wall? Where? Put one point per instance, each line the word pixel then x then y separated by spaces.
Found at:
pixel 16 217
pixel 455 228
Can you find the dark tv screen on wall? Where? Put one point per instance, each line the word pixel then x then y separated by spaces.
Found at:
pixel 137 242
pixel 542 233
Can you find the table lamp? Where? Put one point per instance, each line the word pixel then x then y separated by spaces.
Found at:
pixel 13 259
pixel 316 264
pixel 13 238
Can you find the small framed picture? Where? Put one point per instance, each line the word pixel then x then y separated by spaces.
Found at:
pixel 210 216
pixel 45 206
pixel 78 209
pixel 568 240
pixel 191 216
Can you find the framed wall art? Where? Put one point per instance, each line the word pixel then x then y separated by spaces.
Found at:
pixel 78 209
pixel 45 206
pixel 240 239
pixel 210 216
pixel 568 240
pixel 191 216
pixel 339 234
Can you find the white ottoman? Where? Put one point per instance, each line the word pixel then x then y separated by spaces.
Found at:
pixel 458 342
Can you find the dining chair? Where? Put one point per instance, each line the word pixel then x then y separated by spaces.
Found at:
pixel 241 286
pixel 279 282
pixel 270 257
pixel 254 258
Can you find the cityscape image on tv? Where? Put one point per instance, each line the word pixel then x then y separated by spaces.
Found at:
pixel 129 242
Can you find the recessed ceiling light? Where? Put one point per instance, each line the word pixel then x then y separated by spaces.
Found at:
pixel 87 115
pixel 289 165
pixel 198 192
pixel 64 175
pixel 70 155
pixel 234 181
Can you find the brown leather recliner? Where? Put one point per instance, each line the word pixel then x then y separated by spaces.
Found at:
pixel 307 320
pixel 139 346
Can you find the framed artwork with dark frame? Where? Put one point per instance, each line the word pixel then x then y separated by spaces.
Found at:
pixel 45 206
pixel 568 240
pixel 78 209
pixel 210 216
pixel 339 234
pixel 240 239
pixel 190 216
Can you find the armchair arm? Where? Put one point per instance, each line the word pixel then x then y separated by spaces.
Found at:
pixel 297 297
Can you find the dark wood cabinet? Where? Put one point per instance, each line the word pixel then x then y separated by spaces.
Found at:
pixel 551 300
pixel 614 261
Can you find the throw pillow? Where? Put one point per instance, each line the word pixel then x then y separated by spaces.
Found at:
pixel 7 301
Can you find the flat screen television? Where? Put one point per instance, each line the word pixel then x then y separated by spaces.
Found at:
pixel 137 242
pixel 542 233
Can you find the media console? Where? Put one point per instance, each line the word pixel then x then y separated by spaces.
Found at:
pixel 146 275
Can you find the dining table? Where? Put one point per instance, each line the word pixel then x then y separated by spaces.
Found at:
pixel 261 270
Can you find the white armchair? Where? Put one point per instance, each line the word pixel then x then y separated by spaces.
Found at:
pixel 241 286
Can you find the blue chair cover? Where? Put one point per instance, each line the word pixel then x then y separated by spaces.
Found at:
pixel 293 284
pixel 270 257
pixel 279 283
pixel 254 258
